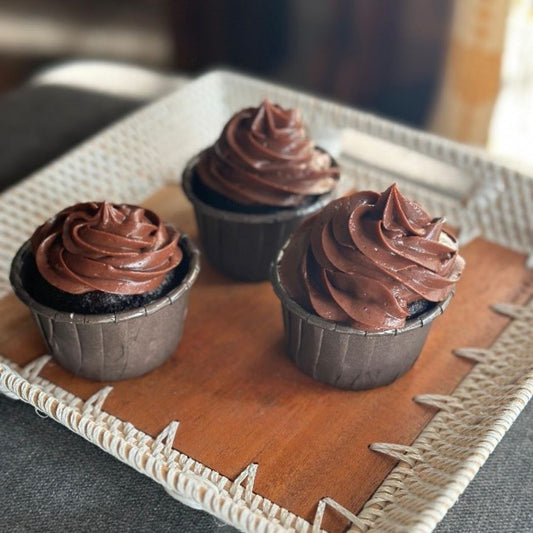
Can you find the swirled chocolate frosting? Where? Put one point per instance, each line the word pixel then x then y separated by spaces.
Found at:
pixel 98 246
pixel 365 258
pixel 264 158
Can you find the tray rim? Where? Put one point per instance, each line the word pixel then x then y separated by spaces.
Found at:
pixel 234 501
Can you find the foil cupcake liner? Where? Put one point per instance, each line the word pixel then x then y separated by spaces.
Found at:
pixel 243 245
pixel 113 346
pixel 346 357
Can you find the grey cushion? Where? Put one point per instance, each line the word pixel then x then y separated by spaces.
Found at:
pixel 37 124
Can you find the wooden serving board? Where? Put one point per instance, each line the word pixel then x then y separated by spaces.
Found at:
pixel 239 398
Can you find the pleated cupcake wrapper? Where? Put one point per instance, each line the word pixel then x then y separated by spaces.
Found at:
pixel 346 357
pixel 243 245
pixel 116 345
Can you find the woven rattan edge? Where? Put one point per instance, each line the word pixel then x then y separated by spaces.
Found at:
pixel 466 429
pixel 185 479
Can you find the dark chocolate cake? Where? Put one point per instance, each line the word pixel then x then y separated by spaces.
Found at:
pixel 94 302
pixel 96 258
pixel 254 187
pixel 108 285
pixel 360 284
pixel 371 261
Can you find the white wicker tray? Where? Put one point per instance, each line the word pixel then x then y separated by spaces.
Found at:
pixel 153 145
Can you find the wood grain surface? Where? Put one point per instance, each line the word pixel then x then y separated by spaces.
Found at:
pixel 239 398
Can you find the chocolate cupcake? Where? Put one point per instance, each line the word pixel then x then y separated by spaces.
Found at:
pixel 254 186
pixel 108 286
pixel 360 284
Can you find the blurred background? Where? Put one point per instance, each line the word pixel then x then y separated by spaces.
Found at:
pixel 461 68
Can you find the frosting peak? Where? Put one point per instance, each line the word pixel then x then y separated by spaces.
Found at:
pixel 119 249
pixel 264 157
pixel 396 212
pixel 365 258
pixel 272 122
